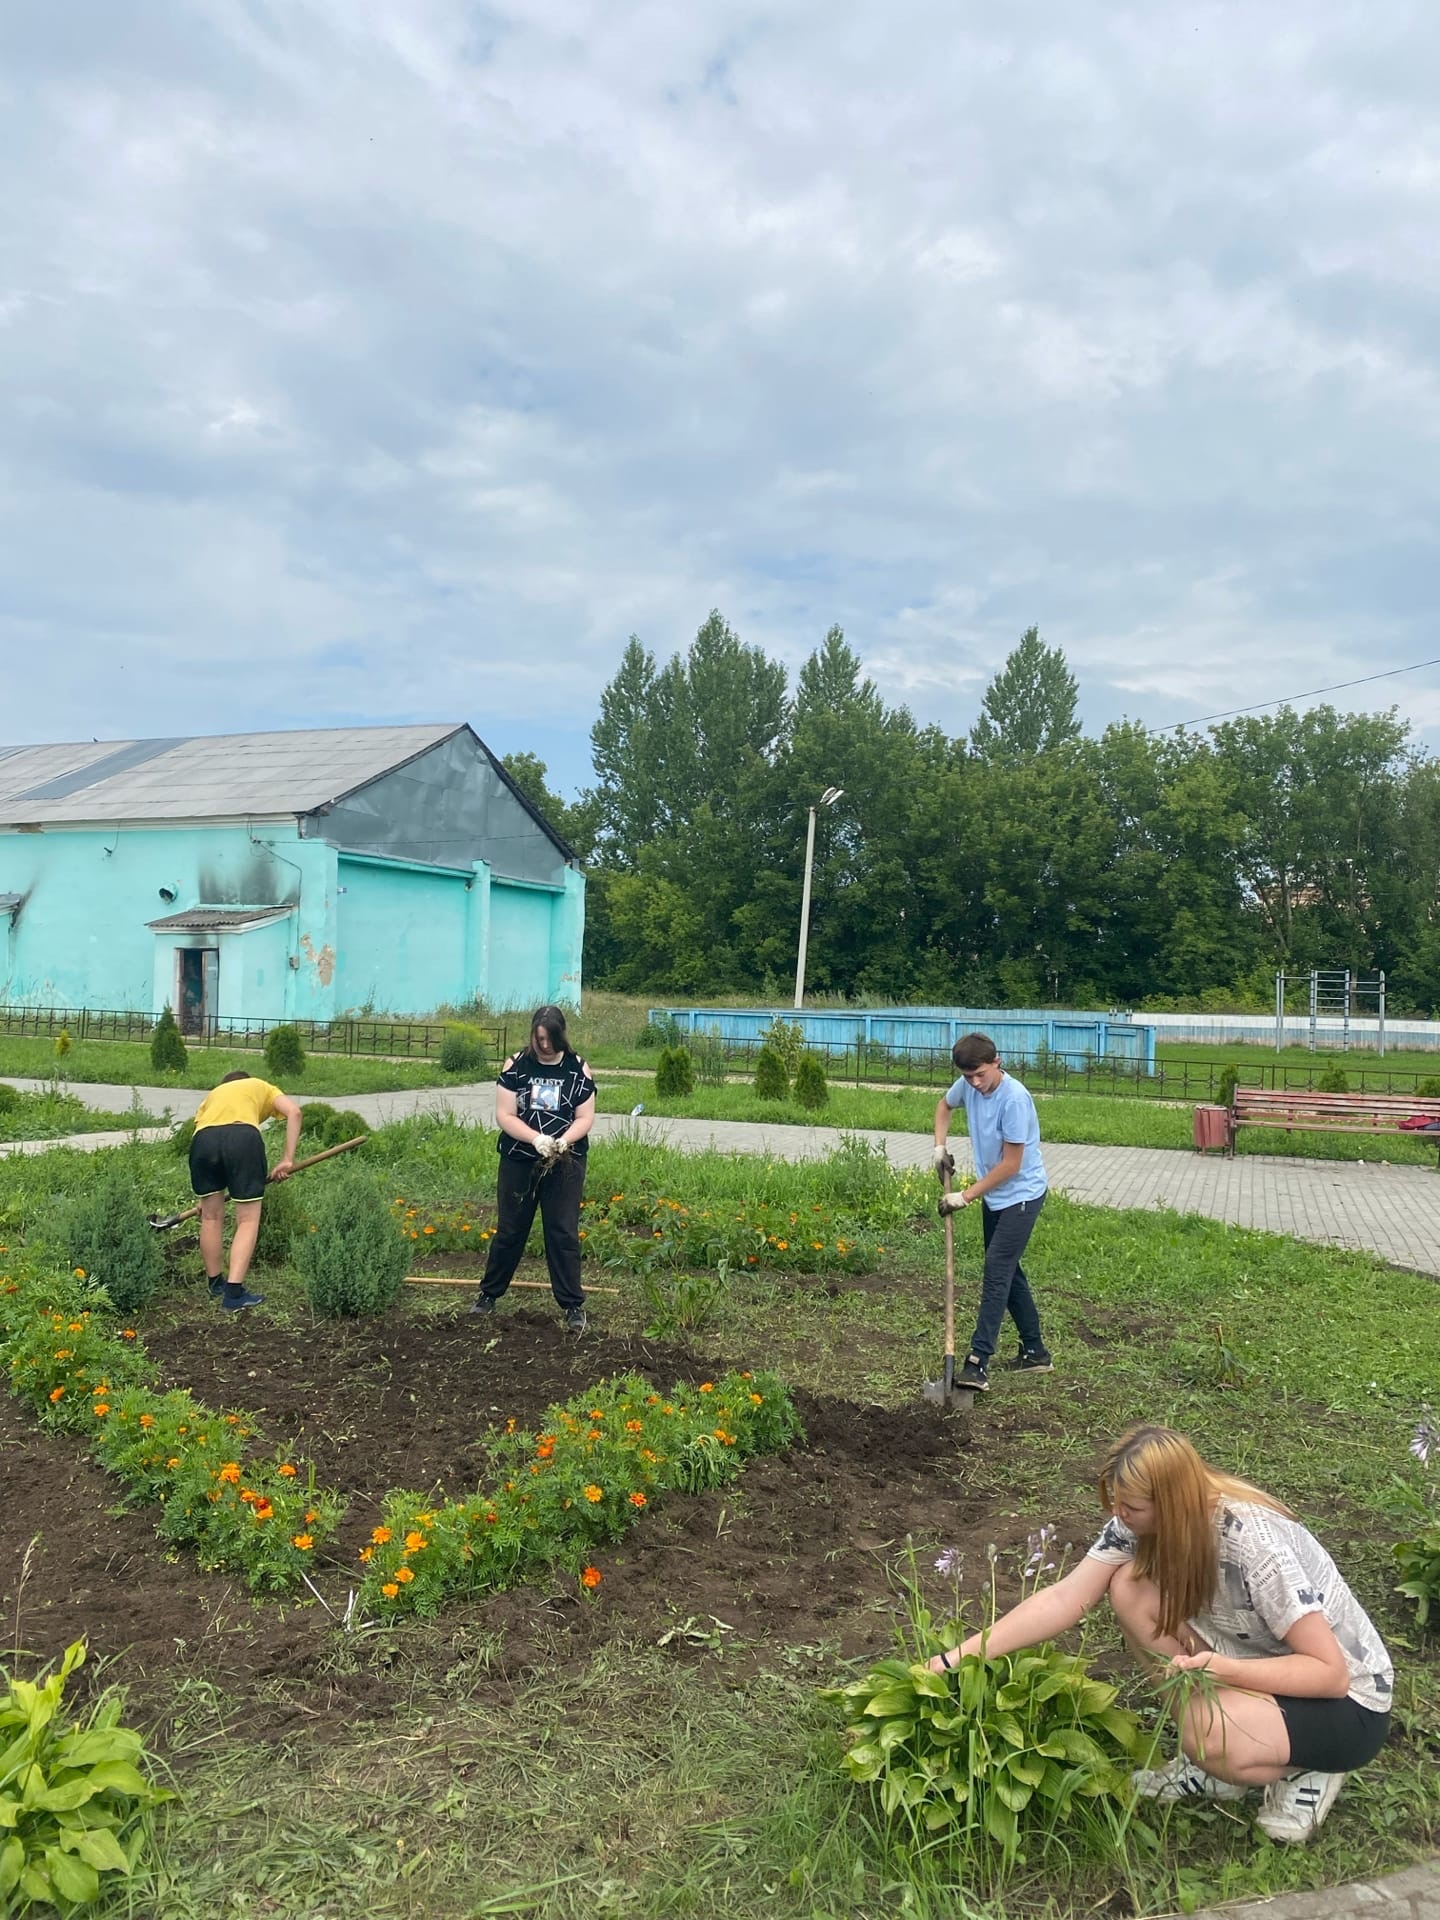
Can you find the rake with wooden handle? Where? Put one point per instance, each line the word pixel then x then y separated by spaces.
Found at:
pixel 190 1213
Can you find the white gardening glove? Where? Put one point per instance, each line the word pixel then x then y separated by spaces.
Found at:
pixel 546 1145
pixel 950 1203
pixel 943 1161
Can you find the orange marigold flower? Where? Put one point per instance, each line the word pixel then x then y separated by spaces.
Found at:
pixel 594 1494
pixel 429 1229
pixel 757 1399
pixel 402 1574
pixel 287 1470
pixel 415 1541
pixel 594 1434
pixel 147 1420
pixel 303 1541
pixel 58 1393
pixel 263 1510
pixel 367 1553
pixel 707 1386
pixel 634 1426
pixel 128 1334
pixel 79 1273
pixel 230 1471
pixel 591 1577
pixel 64 1353
pixel 101 1410
pixel 173 1461
pixel 390 1589
pixel 638 1500
pixel 424 1519
pixel 380 1536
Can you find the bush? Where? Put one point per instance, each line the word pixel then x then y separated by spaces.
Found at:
pixel 105 1233
pixel 665 1032
pixel 673 1075
pixel 9 1098
pixel 284 1055
pixel 787 1038
pixel 316 1119
pixel 168 1052
pixel 772 1082
pixel 464 1050
pixel 1333 1080
pixel 181 1138
pixel 1429 1089
pixel 346 1126
pixel 282 1217
pixel 707 1056
pixel 354 1258
pixel 1225 1087
pixel 811 1087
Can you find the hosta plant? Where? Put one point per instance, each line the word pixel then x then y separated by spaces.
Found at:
pixel 73 1801
pixel 992 1752
pixel 1418 1558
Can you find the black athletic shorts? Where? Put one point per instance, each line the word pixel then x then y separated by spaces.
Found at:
pixel 1331 1736
pixel 229 1159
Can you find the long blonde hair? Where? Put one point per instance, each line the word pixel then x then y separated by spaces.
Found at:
pixel 1182 1556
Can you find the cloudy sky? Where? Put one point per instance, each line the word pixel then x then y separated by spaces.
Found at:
pixel 396 359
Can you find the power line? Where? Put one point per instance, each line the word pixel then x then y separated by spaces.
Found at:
pixel 1285 699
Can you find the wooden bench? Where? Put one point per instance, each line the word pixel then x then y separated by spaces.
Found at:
pixel 1302 1110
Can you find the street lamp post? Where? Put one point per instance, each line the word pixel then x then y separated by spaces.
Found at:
pixel 827 799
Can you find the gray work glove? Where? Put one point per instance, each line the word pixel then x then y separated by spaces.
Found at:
pixel 950 1203
pixel 546 1145
pixel 943 1161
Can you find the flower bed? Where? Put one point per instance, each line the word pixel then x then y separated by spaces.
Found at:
pixel 263 1517
pixel 586 1478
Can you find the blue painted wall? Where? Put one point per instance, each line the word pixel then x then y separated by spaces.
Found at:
pixel 400 937
pixel 1021 1035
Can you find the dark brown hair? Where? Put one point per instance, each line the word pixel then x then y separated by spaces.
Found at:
pixel 240 1073
pixel 973 1050
pixel 553 1021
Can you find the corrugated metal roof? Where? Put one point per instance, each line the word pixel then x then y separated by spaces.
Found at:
pixel 205 777
pixel 217 919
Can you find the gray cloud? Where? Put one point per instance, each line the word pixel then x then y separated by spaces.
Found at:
pixel 398 361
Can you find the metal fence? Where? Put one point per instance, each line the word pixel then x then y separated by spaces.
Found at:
pixel 393 1039
pixel 1184 1080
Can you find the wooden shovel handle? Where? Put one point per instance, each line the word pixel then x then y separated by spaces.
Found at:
pixel 949 1275
pixel 313 1160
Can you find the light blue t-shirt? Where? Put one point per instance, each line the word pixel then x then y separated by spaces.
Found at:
pixel 1005 1116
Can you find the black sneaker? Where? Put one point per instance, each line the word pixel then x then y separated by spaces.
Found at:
pixel 575 1319
pixel 973 1374
pixel 217 1285
pixel 1031 1360
pixel 234 1298
pixel 483 1305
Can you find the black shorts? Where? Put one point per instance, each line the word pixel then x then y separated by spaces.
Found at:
pixel 229 1159
pixel 1331 1736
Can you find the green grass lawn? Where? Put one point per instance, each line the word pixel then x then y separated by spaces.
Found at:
pixel 51 1114
pixel 640 1780
pixel 1097 1119
pixel 127 1064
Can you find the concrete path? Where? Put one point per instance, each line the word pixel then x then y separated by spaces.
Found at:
pixel 1386 1210
pixel 1413 1894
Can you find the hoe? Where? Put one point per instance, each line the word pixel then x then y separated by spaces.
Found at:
pixel 174 1219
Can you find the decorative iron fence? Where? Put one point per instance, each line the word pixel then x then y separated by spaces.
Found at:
pixel 393 1039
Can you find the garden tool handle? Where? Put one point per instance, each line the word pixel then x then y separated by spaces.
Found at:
pixel 949 1285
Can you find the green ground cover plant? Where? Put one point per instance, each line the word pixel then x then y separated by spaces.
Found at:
pixel 81 1373
pixel 601 1460
pixel 52 1113
pixel 74 1801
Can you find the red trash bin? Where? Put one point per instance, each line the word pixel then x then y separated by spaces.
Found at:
pixel 1212 1129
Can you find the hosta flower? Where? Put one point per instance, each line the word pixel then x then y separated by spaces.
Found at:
pixel 1037 1549
pixel 949 1562
pixel 1427 1437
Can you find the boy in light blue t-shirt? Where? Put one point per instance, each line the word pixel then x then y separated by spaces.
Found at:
pixel 1010 1180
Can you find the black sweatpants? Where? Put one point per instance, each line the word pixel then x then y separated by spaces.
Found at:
pixel 556 1190
pixel 1004 1288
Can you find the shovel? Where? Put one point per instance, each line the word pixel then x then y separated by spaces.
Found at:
pixel 174 1219
pixel 944 1391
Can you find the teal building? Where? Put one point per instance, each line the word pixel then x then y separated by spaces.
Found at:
pixel 281 876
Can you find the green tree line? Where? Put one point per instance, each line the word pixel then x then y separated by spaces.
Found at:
pixel 1023 863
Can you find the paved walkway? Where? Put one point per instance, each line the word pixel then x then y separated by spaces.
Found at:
pixel 1387 1210
pixel 1413 1894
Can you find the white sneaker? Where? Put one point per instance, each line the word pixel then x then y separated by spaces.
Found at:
pixel 1183 1779
pixel 1295 1806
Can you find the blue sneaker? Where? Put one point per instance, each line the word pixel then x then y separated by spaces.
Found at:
pixel 234 1298
pixel 217 1285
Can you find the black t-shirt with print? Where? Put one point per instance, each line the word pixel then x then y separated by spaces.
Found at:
pixel 546 1098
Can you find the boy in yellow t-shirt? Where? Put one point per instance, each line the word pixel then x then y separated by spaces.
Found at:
pixel 227 1156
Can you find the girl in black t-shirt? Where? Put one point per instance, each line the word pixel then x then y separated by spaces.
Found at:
pixel 545 1106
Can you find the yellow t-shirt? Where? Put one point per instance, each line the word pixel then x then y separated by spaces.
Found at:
pixel 237 1102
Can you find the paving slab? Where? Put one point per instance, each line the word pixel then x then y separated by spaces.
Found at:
pixel 1413 1894
pixel 1390 1211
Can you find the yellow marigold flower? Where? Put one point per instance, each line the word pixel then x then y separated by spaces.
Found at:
pixel 287 1470
pixel 594 1494
pixel 147 1420
pixel 380 1536
pixel 79 1273
pixel 302 1540
pixel 597 1413
pixel 424 1519
pixel 414 1542
pixel 390 1589
pixel 638 1500
pixel 101 1410
pixel 402 1574
pixel 757 1399
pixel 591 1577
pixel 367 1553
pixel 707 1386
pixel 173 1461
